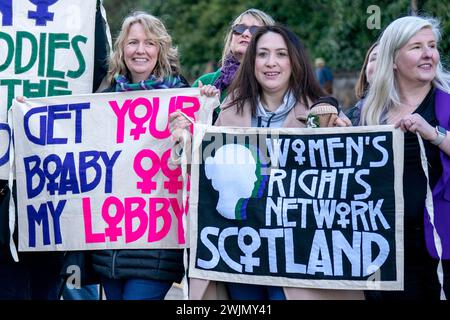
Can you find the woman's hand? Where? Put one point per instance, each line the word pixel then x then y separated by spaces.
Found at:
pixel 416 123
pixel 177 124
pixel 342 121
pixel 208 90
pixel 339 120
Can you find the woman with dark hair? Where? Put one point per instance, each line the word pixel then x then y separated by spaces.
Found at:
pixel 274 87
pixel 268 80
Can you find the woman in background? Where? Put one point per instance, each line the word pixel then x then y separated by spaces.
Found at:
pixel 236 43
pixel 364 80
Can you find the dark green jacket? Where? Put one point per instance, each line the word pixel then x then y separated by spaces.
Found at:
pixel 210 78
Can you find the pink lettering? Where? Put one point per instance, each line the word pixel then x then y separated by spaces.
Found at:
pixel 175 182
pixel 113 231
pixel 120 113
pixel 147 184
pixel 137 213
pixel 139 121
pixel 134 217
pixel 179 212
pixel 154 120
pixel 189 105
pixel 87 215
pixel 163 213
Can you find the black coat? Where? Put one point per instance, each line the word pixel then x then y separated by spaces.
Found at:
pixel 154 264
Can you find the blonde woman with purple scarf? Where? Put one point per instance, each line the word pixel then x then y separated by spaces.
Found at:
pixel 143 59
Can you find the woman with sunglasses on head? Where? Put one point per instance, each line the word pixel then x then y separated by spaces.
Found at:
pixel 236 43
pixel 275 87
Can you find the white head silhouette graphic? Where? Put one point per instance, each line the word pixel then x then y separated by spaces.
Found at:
pixel 232 172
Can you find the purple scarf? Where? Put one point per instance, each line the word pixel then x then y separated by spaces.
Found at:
pixel 441 191
pixel 123 84
pixel 227 73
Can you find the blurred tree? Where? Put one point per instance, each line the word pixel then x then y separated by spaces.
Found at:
pixel 334 29
pixel 440 9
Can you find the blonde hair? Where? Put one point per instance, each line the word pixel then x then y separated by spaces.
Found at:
pixel 383 92
pixel 259 15
pixel 168 62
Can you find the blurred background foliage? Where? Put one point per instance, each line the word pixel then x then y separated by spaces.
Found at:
pixel 335 30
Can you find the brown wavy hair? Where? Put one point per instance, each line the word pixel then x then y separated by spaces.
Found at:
pixel 362 85
pixel 303 83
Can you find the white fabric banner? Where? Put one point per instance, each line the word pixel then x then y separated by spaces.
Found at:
pixel 92 171
pixel 47 49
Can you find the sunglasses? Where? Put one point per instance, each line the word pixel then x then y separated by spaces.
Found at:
pixel 240 29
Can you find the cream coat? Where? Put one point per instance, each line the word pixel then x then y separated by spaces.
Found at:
pixel 200 289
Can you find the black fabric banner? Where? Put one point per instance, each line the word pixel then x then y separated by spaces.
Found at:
pixel 300 207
